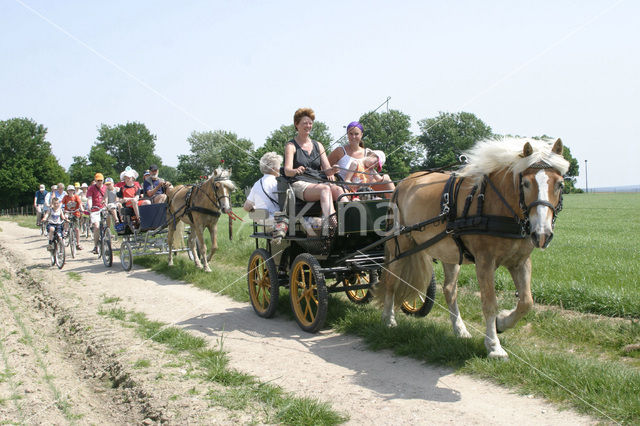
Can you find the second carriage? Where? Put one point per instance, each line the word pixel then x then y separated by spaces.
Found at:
pixel 146 235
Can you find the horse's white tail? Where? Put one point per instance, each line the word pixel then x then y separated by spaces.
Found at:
pixel 408 277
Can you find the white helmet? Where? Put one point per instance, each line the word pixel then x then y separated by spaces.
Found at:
pixel 71 188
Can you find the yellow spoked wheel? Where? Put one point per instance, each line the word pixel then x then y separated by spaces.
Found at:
pixel 308 293
pixel 416 306
pixel 262 278
pixel 359 296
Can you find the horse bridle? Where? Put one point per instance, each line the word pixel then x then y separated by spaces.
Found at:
pixel 526 208
pixel 218 201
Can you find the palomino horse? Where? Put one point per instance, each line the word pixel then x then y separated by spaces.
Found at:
pixel 200 206
pixel 513 212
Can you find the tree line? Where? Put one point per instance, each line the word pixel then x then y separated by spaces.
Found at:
pixel 26 159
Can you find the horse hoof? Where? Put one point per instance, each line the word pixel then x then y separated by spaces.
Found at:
pixel 390 322
pixel 463 334
pixel 500 354
pixel 170 263
pixel 207 269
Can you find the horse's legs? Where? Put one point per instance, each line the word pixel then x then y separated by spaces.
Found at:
pixel 485 271
pixel 521 275
pixel 203 249
pixel 213 233
pixel 388 314
pixel 192 246
pixel 450 289
pixel 170 243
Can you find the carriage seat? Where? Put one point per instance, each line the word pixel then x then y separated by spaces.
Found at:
pixel 286 197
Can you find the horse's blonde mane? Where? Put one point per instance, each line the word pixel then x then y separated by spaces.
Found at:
pixel 492 155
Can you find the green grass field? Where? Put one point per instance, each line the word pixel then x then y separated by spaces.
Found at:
pixel 580 356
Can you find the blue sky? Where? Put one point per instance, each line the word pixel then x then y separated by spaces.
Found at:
pixel 568 69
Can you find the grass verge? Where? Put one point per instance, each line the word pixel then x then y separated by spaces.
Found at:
pixel 238 391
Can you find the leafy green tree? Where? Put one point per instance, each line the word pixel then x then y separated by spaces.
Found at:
pixel 80 170
pixel 219 148
pixel 130 144
pixel 26 161
pixel 389 132
pixel 446 136
pixel 170 174
pixel 105 163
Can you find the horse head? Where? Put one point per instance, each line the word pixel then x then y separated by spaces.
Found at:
pixel 222 187
pixel 541 187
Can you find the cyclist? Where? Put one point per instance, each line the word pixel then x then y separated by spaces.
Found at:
pixel 95 201
pixel 78 189
pixel 59 193
pixel 47 199
pixel 83 197
pixel 73 207
pixel 38 203
pixel 55 218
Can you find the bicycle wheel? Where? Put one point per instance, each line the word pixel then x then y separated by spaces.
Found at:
pixel 72 242
pixel 59 251
pixel 105 248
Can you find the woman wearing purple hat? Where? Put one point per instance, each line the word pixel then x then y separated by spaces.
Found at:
pixel 344 157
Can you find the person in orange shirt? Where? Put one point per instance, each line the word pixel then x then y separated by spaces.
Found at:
pixel 73 206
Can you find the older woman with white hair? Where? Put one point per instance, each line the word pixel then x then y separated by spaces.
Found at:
pixel 263 194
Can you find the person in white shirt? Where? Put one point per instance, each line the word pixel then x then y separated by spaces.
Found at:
pixel 264 194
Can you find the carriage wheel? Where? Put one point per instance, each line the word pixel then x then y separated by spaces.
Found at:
pixel 105 249
pixel 59 252
pixel 263 283
pixel 126 256
pixel 308 293
pixel 412 307
pixel 362 295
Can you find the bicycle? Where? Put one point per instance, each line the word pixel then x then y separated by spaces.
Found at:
pixel 104 247
pixel 43 227
pixel 58 253
pixel 85 228
pixel 71 241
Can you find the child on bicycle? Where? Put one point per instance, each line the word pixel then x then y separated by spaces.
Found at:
pixel 55 218
pixel 73 207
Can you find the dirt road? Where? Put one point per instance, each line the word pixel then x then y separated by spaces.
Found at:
pixel 61 362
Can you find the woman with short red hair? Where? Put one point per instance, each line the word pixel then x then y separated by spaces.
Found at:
pixel 306 162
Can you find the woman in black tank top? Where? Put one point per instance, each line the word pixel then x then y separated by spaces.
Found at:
pixel 305 161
